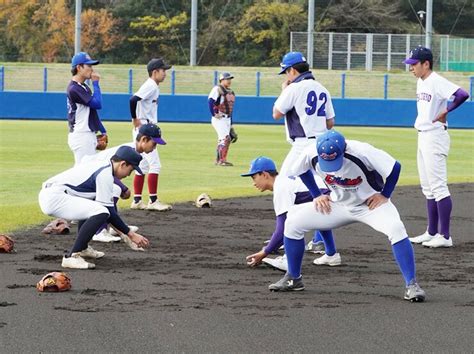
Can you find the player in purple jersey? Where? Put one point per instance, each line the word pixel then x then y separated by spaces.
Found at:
pixel 82 104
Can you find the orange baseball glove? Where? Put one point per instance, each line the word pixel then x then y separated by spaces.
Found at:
pixel 54 282
pixel 6 244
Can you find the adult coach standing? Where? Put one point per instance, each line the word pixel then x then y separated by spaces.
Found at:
pixel 432 94
pixel 305 104
pixel 82 104
pixel 144 110
pixel 221 102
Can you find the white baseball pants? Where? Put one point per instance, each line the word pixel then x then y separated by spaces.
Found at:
pixel 82 144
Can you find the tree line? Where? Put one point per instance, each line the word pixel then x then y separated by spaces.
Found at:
pixel 230 32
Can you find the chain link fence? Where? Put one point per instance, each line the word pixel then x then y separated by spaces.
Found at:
pixel 374 51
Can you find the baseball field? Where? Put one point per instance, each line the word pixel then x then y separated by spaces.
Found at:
pixel 192 291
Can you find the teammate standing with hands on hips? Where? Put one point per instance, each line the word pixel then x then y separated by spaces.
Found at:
pixel 305 104
pixel 221 105
pixel 144 110
pixel 432 94
pixel 82 104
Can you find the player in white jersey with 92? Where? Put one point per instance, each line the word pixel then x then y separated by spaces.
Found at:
pixel 355 174
pixel 144 109
pixel 432 94
pixel 305 104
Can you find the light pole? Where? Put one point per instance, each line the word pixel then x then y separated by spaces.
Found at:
pixel 421 14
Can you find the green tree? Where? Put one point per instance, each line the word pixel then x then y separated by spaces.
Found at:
pixel 265 29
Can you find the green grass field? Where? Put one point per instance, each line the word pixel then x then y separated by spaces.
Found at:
pixel 199 80
pixel 32 151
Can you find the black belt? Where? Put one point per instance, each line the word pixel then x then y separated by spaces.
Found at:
pixel 307 137
pixel 424 131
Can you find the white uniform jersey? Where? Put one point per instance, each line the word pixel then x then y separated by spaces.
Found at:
pixel 362 174
pixel 92 181
pixel 307 105
pixel 106 155
pixel 432 96
pixel 147 107
pixel 287 191
pixel 214 94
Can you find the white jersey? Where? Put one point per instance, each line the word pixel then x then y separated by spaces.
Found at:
pixel 307 105
pixel 147 107
pixel 287 191
pixel 214 94
pixel 432 96
pixel 362 174
pixel 106 154
pixel 92 181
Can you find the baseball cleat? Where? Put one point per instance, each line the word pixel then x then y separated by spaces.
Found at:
pixel 115 233
pixel 224 163
pixel 138 206
pixel 414 292
pixel 89 252
pixel 422 238
pixel 287 283
pixel 315 247
pixel 76 262
pixel 438 241
pixel 279 263
pixel 105 236
pixel 157 205
pixel 331 261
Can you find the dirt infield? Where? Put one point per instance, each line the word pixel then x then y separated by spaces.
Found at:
pixel 192 291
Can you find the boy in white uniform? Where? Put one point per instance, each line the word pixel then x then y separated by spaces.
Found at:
pixel 85 193
pixel 432 94
pixel 355 173
pixel 286 193
pixel 144 109
pixel 305 104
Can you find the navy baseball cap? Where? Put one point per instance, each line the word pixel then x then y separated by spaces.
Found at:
pixel 129 155
pixel 418 54
pixel 153 131
pixel 260 164
pixel 330 147
pixel 225 76
pixel 157 63
pixel 290 59
pixel 83 58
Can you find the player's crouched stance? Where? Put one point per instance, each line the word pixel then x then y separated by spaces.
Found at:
pixel 85 193
pixel 355 173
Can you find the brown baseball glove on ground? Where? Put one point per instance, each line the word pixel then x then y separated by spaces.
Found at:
pixel 57 227
pixel 102 141
pixel 53 282
pixel 6 244
pixel 203 201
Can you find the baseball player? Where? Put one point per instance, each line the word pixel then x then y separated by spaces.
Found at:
pixel 85 193
pixel 144 109
pixel 149 135
pixel 355 173
pixel 432 94
pixel 305 104
pixel 82 104
pixel 286 193
pixel 221 102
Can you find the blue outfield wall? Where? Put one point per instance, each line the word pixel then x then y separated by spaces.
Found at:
pixel 248 109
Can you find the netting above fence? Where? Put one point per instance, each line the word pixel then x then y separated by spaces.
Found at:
pixel 373 51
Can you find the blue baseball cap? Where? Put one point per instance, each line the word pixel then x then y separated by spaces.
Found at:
pixel 418 54
pixel 83 58
pixel 290 59
pixel 330 147
pixel 260 164
pixel 129 155
pixel 153 131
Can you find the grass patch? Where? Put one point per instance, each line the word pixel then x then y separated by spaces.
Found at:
pixel 32 151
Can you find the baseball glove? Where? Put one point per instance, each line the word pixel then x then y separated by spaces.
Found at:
pixel 57 227
pixel 6 244
pixel 233 135
pixel 203 201
pixel 102 141
pixel 54 282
